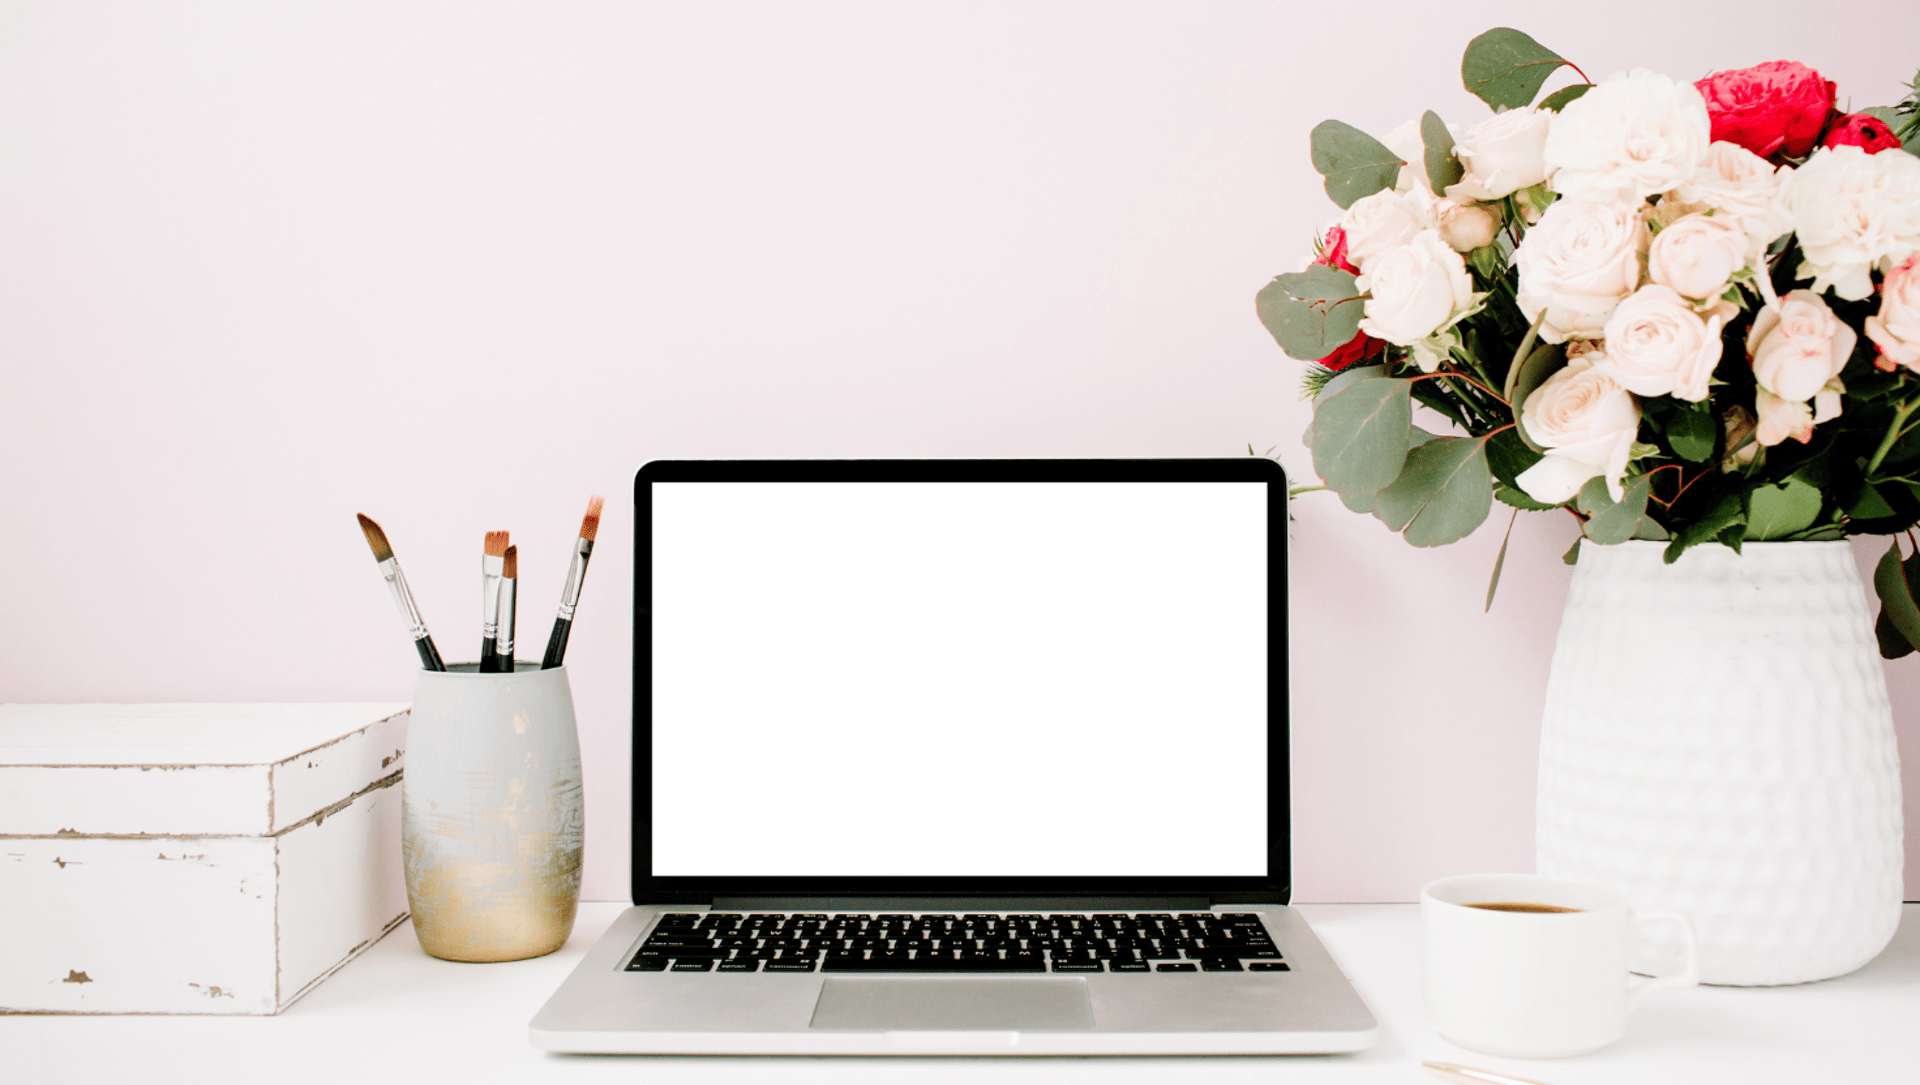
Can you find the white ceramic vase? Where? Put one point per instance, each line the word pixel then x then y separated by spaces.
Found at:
pixel 491 818
pixel 1717 742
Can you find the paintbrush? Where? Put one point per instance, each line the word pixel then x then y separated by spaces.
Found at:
pixel 390 568
pixel 576 575
pixel 509 589
pixel 492 569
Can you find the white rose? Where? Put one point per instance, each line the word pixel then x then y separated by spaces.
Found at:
pixel 1415 289
pixel 1736 182
pixel 1853 212
pixel 1784 418
pixel 1407 142
pixel 1658 346
pixel 1635 135
pixel 1798 347
pixel 1576 265
pixel 1896 328
pixel 1697 255
pixel 1502 155
pixel 1466 227
pixel 1385 220
pixel 1587 423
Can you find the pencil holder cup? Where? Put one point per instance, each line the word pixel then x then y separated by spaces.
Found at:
pixel 491 819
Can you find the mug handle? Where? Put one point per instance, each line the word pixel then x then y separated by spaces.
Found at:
pixel 1688 976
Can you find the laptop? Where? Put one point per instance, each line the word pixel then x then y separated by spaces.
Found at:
pixel 961 758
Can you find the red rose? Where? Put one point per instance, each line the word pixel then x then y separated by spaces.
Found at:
pixel 1869 133
pixel 1774 108
pixel 1333 253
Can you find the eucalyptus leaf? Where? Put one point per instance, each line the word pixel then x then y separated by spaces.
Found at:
pixel 1515 497
pixel 1651 531
pixel 1354 163
pixel 1499 563
pixel 1311 313
pixel 1357 502
pixel 1776 511
pixel 1572 556
pixel 1692 432
pixel 1891 582
pixel 1443 168
pixel 1869 505
pixel 1558 100
pixel 1360 432
pixel 1444 493
pixel 1506 68
pixel 1612 523
pixel 1893 643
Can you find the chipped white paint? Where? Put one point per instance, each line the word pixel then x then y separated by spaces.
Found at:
pixel 124 915
pixel 493 818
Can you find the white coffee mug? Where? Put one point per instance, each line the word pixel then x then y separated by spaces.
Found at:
pixel 1540 983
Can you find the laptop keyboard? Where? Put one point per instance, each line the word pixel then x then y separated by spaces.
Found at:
pixel 1071 942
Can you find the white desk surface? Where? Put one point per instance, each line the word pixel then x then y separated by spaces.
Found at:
pixel 396 1014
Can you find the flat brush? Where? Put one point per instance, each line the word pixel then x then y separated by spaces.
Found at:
pixel 509 589
pixel 493 563
pixel 576 575
pixel 390 568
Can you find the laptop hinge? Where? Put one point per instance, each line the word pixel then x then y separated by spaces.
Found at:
pixel 963 903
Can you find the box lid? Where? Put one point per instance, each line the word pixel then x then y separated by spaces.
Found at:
pixel 188 769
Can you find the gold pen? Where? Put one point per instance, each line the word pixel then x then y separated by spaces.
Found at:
pixel 1467 1075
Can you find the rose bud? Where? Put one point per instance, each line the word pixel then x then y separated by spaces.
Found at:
pixel 1697 255
pixel 1469 227
pixel 1862 130
pixel 1776 108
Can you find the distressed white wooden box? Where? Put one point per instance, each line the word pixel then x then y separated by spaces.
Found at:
pixel 209 859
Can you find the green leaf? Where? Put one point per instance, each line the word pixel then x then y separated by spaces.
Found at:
pixel 1527 377
pixel 1572 556
pixel 1505 68
pixel 1728 513
pixel 1360 433
pixel 1558 100
pixel 1357 502
pixel 1894 122
pixel 1890 582
pixel 1869 505
pixel 1893 643
pixel 1691 432
pixel 1442 495
pixel 1443 168
pixel 1517 498
pixel 1354 163
pixel 1311 313
pixel 1774 511
pixel 1610 523
pixel 1651 531
pixel 1499 563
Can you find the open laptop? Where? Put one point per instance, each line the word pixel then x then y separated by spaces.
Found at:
pixel 959 757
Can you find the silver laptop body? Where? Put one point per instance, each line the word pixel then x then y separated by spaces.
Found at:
pixel 962 758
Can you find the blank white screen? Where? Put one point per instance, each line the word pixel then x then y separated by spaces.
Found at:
pixel 959 679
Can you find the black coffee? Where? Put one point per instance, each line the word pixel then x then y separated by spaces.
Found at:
pixel 1517 906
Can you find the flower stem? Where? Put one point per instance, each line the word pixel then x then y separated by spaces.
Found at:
pixel 1894 431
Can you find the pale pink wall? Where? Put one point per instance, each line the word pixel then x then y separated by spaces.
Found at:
pixel 457 266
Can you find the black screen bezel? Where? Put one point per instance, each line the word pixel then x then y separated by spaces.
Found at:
pixel 1273 888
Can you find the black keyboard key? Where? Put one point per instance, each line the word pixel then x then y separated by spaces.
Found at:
pixel 790 964
pixel 647 964
pixel 1012 962
pixel 1076 964
pixel 1119 965
pixel 1220 964
pixel 688 953
pixel 740 964
pixel 1268 966
pixel 1176 968
pixel 678 919
pixel 696 965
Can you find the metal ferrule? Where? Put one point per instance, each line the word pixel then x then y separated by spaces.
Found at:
pixel 490 600
pixel 416 625
pixel 576 576
pixel 504 647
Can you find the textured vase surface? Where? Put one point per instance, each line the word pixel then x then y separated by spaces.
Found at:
pixel 1717 741
pixel 492 819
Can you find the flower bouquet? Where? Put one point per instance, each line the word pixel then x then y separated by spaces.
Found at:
pixel 1685 312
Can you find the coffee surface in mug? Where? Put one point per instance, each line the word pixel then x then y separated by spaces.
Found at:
pixel 1520 906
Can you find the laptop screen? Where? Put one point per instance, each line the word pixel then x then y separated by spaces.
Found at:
pixel 945 673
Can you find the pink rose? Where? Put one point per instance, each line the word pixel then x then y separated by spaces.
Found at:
pixel 1798 346
pixel 1776 108
pixel 1896 328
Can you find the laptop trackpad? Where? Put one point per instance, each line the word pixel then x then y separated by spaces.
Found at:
pixel 970 1003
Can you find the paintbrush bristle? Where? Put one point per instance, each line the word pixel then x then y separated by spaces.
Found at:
pixel 512 568
pixel 376 538
pixel 590 524
pixel 496 544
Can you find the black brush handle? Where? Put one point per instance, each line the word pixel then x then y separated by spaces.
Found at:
pixel 489 658
pixel 556 644
pixel 429 655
